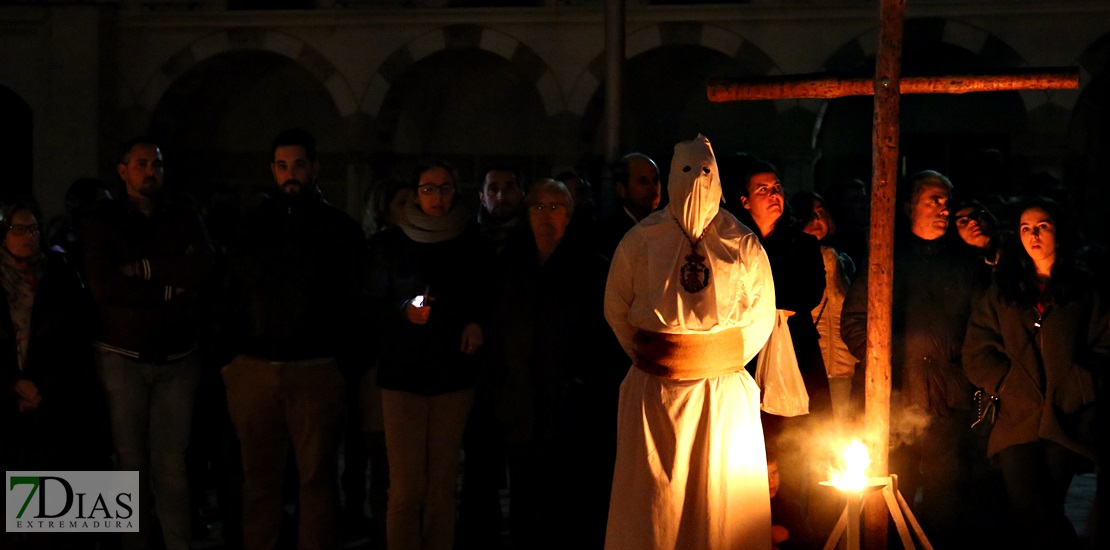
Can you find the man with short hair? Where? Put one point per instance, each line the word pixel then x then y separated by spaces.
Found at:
pixel 935 282
pixel 292 325
pixel 500 220
pixel 147 256
pixel 501 200
pixel 636 179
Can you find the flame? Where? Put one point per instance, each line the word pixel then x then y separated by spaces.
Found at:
pixel 852 474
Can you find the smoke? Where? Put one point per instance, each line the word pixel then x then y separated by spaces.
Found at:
pixel 907 424
pixel 810 444
pixel 818 443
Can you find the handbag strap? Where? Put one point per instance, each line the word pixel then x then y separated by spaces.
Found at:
pixel 824 303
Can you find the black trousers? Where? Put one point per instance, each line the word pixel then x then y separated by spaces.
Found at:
pixel 1037 477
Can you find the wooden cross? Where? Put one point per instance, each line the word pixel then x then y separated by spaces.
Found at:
pixel 887 86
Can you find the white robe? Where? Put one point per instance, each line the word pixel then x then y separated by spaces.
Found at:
pixel 691 470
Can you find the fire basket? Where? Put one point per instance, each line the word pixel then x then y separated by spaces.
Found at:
pixel 853 482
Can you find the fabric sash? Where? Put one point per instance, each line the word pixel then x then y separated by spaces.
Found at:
pixel 692 355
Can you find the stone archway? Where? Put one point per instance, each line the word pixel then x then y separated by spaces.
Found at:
pixel 665 99
pixel 468 94
pixel 253 52
pixel 216 120
pixel 285 45
pixel 18 129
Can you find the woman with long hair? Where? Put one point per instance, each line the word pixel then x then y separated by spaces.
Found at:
pixel 840 365
pixel 1039 340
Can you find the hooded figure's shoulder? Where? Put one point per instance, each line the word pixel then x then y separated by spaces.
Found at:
pixel 728 227
pixel 659 217
pixel 652 226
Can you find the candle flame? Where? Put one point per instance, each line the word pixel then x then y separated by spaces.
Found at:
pixel 852 474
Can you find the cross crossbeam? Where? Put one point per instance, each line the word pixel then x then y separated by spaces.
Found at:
pixel 821 86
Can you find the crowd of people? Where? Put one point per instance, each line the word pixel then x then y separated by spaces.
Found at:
pixel 333 378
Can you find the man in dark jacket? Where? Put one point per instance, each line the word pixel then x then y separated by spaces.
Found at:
pixel 636 180
pixel 501 199
pixel 935 283
pixel 294 268
pixel 146 257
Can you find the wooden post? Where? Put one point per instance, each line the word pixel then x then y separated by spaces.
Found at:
pixel 880 274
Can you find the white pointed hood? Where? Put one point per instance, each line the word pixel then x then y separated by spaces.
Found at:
pixel 694 185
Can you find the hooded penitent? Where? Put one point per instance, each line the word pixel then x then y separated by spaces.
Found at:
pixel 691 299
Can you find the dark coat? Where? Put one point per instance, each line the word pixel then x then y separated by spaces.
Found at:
pixel 609 230
pixel 549 336
pixel 799 272
pixel 935 283
pixel 426 359
pixel 69 429
pixel 148 316
pixel 296 266
pixel 1046 378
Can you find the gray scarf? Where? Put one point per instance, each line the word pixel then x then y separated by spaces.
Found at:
pixel 19 285
pixel 423 228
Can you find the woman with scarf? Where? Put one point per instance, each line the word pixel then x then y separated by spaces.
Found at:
pixel 53 411
pixel 1039 339
pixel 427 286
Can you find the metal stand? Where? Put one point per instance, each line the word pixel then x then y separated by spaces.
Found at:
pixel 849 523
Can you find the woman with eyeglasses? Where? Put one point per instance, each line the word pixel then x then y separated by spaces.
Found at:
pixel 53 408
pixel 427 285
pixel 554 360
pixel 1039 339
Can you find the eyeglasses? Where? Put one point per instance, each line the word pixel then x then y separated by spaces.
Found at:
pixel 541 207
pixel 19 229
pixel 432 189
pixel 965 220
